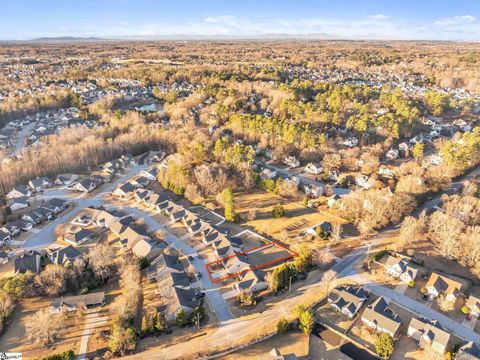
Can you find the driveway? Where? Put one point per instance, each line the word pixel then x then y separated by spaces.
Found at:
pixel 92 320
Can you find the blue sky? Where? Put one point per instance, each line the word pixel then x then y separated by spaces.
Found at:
pixel 351 19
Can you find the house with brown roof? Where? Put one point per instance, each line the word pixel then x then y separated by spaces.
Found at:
pixel 438 284
pixel 429 334
pixel 381 318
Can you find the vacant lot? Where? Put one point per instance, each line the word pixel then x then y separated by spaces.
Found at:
pixel 271 255
pixel 297 216
pixel 293 343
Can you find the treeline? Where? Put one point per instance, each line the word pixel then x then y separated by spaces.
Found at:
pixel 80 149
pixel 14 108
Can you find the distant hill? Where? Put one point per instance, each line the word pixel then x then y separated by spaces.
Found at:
pixel 64 39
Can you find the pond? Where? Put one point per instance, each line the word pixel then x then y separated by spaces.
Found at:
pixel 151 107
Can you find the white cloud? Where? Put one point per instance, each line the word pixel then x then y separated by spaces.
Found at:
pixel 456 20
pixel 379 17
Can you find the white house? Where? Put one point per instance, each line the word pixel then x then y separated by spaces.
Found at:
pixel 313 168
pixel 400 269
pixel 351 142
pixel 291 161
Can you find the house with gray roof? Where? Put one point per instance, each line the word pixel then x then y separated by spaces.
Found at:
pixel 469 351
pixel 381 318
pixel 347 300
pixel 429 334
pixel 400 268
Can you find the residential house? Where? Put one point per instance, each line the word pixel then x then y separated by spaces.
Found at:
pixel 78 236
pixel 4 236
pixel 63 256
pixel 392 154
pixel 66 179
pixel 267 174
pixel 381 318
pixel 350 142
pixel 82 220
pixel 125 191
pixel 313 168
pixel 56 205
pixel 19 203
pixel 469 351
pixel 72 303
pixel 429 334
pixel 313 191
pixel 132 235
pixel 401 269
pixel 106 218
pixel 28 262
pixel 19 191
pixel 291 161
pixel 473 305
pixel 19 224
pixel 86 185
pixel 119 226
pixel 251 281
pixel 163 264
pixel 178 299
pixel 438 284
pixel 39 184
pixel 148 249
pixel 347 300
pixel 151 174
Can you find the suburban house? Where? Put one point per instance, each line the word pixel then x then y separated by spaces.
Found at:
pixel 400 268
pixel 313 168
pixel 86 185
pixel 469 351
pixel 313 191
pixel 473 305
pixel 347 300
pixel 291 161
pixel 125 191
pixel 39 184
pixel 19 191
pixel 252 281
pixel 66 179
pixel 56 205
pixel 38 215
pixel 429 334
pixel 148 249
pixel 72 303
pixel 164 263
pixel 78 236
pixel 82 220
pixel 438 284
pixel 350 142
pixel 28 262
pixel 381 318
pixel 132 235
pixel 106 218
pixel 178 299
pixel 63 256
pixel 267 174
pixel 119 226
pixel 18 203
pixel 4 237
pixel 21 225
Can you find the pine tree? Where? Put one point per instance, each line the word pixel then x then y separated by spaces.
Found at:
pixel 144 328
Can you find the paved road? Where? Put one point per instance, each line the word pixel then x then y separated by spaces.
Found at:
pixel 303 179
pixel 21 138
pixel 46 236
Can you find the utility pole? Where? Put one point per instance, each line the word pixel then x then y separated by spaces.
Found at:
pixel 290 284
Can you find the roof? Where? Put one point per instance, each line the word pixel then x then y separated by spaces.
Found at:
pixel 384 317
pixel 250 279
pixel 405 265
pixel 27 263
pixel 473 302
pixel 170 261
pixel 56 202
pixel 469 351
pixel 431 329
pixel 90 299
pixel 78 235
pixel 64 255
pixel 443 284
pixel 346 296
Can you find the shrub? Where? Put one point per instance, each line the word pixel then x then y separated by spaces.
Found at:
pixel 377 256
pixel 283 326
pixel 143 262
pixel 384 345
pixel 465 310
pixel 278 211
pixel 411 283
pixel 67 355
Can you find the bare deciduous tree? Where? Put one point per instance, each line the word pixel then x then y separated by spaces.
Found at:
pixel 45 328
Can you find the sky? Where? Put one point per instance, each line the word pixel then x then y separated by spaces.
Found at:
pixel 150 19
